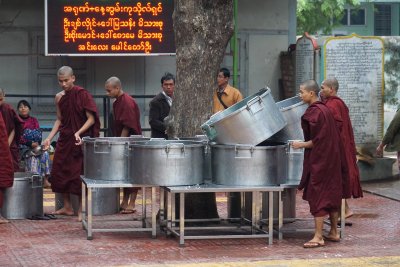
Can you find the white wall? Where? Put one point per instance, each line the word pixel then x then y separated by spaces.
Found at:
pixel 264 24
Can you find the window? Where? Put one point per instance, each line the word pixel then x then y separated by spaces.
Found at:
pixel 383 19
pixel 353 17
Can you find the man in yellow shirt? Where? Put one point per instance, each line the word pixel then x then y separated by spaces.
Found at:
pixel 225 95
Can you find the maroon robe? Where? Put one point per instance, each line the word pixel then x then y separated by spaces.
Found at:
pixel 12 122
pixel 6 162
pixel 68 158
pixel 341 114
pixel 322 169
pixel 126 114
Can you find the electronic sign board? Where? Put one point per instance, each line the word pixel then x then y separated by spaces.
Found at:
pixel 109 28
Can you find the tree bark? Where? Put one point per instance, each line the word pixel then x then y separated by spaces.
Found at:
pixel 202 29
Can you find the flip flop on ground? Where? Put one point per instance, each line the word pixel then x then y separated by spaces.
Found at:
pixel 312 244
pixel 331 239
pixel 127 211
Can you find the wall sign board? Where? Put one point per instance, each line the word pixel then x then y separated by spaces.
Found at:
pixel 357 62
pixel 109 28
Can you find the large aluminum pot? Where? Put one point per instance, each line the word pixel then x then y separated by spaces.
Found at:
pixel 106 158
pixel 105 201
pixel 292 109
pixel 248 165
pixel 166 163
pixel 21 201
pixel 250 121
pixel 295 164
pixel 207 155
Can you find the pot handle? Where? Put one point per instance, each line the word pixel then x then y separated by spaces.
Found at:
pixel 179 147
pixel 96 146
pixel 209 131
pixel 251 105
pixel 247 148
pixel 37 181
pixel 291 150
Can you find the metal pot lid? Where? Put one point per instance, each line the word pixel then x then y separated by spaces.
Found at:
pixel 290 103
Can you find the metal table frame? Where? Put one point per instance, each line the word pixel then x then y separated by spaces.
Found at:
pixel 281 230
pixel 87 217
pixel 256 230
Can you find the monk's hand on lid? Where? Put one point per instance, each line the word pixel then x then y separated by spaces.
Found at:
pixel 78 139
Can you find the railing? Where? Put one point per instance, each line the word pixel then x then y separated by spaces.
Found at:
pixel 44 109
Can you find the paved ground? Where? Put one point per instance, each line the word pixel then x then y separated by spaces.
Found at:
pixel 372 240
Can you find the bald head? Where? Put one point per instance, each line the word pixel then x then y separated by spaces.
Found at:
pixel 65 71
pixel 310 86
pixel 113 87
pixel 332 83
pixel 114 82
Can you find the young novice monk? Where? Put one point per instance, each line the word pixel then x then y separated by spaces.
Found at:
pixel 321 181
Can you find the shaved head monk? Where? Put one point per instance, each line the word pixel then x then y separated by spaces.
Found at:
pixel 340 111
pixel 321 181
pixel 6 166
pixel 76 117
pixel 126 123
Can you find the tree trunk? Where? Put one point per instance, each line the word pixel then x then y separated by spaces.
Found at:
pixel 203 29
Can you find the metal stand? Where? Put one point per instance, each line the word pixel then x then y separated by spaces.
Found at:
pixel 255 227
pixel 87 216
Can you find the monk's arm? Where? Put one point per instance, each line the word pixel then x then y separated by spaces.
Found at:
pixel 11 137
pixel 89 122
pixel 57 123
pixel 302 144
pixel 125 132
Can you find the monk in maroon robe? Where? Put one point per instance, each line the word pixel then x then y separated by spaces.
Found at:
pixel 340 111
pixel 322 179
pixel 76 117
pixel 126 123
pixel 14 127
pixel 6 164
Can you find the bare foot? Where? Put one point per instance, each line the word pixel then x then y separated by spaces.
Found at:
pixel 332 238
pixel 3 220
pixel 46 183
pixel 348 214
pixel 314 243
pixel 64 211
pixel 123 205
pixel 79 217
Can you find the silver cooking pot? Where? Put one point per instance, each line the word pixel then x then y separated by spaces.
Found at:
pixel 292 109
pixel 106 158
pixel 248 165
pixel 295 161
pixel 166 163
pixel 207 155
pixel 250 121
pixel 25 198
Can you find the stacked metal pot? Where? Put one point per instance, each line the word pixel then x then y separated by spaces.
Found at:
pixel 252 146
